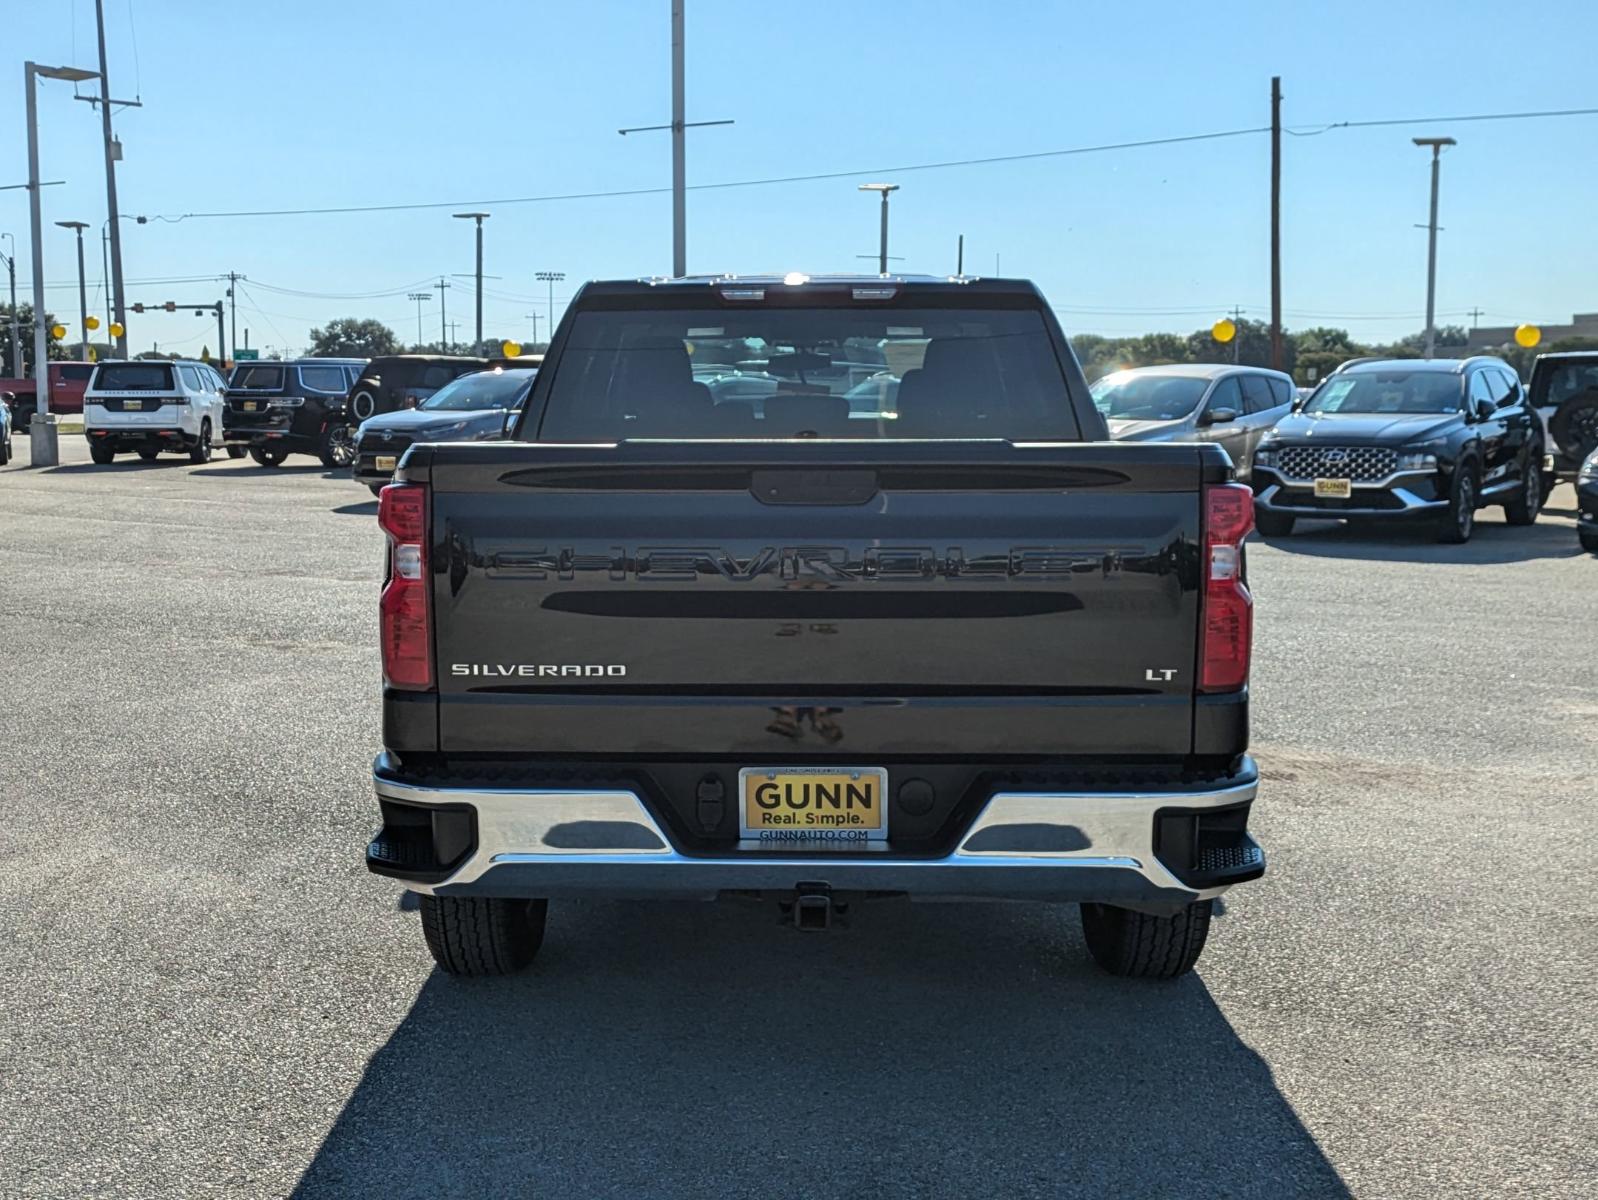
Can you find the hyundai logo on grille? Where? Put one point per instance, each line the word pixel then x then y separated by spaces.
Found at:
pixel 1335 456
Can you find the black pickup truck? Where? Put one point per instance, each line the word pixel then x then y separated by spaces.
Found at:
pixel 921 631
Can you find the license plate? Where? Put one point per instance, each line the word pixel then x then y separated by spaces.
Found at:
pixel 133 406
pixel 1332 489
pixel 251 405
pixel 818 806
pixel 387 462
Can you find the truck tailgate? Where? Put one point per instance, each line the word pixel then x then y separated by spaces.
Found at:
pixel 651 598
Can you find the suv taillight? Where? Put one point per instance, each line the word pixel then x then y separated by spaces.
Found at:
pixel 404 613
pixel 1226 621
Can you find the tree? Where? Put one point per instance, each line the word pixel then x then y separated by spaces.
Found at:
pixel 53 348
pixel 354 337
pixel 1252 342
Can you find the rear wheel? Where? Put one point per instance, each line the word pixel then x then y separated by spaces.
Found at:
pixel 338 447
pixel 1141 946
pixel 1589 541
pixel 482 936
pixel 101 453
pixel 200 452
pixel 5 450
pixel 375 488
pixel 236 451
pixel 1528 502
pixel 1459 521
pixel 1272 524
pixel 1574 425
pixel 148 453
pixel 268 458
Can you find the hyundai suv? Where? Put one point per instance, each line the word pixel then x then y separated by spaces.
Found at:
pixel 1425 439
pixel 275 409
pixel 474 408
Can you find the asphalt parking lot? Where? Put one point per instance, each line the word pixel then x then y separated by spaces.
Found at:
pixel 205 994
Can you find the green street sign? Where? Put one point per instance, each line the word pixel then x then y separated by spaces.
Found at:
pixel 246 355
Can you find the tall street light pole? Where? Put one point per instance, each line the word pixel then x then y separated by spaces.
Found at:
pixel 420 298
pixel 551 278
pixel 42 434
pixel 479 217
pixel 111 151
pixel 83 288
pixel 1437 145
pixel 885 189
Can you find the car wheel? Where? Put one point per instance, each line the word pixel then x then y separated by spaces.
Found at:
pixel 375 488
pixel 1523 508
pixel 268 458
pixel 101 453
pixel 363 404
pixel 1589 541
pixel 483 936
pixel 236 451
pixel 1575 426
pixel 200 452
pixel 1273 524
pixel 1459 522
pixel 147 455
pixel 338 447
pixel 5 452
pixel 1141 946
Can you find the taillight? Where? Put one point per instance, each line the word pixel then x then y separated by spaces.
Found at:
pixel 1226 624
pixel 404 621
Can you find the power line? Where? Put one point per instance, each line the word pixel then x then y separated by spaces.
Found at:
pixel 1515 116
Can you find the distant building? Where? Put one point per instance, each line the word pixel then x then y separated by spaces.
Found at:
pixel 1491 337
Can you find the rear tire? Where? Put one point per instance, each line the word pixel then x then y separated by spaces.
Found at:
pixel 1459 522
pixel 488 936
pixel 375 488
pixel 363 404
pixel 101 453
pixel 1140 946
pixel 1589 541
pixel 200 452
pixel 1272 524
pixel 268 458
pixel 5 452
pixel 1528 502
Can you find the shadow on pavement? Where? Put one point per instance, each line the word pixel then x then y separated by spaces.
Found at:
pixel 698 1050
pixel 1489 544
pixel 367 508
pixel 131 463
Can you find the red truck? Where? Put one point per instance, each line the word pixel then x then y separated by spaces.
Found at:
pixel 67 383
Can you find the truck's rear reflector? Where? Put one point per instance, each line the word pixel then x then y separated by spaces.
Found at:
pixel 1226 622
pixel 405 616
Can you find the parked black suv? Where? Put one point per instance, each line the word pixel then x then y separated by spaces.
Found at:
pixel 1564 392
pixel 1428 439
pixel 1587 504
pixel 275 409
pixel 404 380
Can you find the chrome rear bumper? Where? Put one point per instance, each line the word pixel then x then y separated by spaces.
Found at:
pixel 1054 846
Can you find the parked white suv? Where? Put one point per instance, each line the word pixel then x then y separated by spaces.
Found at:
pixel 149 406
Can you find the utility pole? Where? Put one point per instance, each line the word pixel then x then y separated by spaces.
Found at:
pixel 112 149
pixel 1475 316
pixel 885 189
pixel 105 276
pixel 453 326
pixel 1237 338
pixel 443 326
pixel 959 256
pixel 16 338
pixel 1276 222
pixel 233 278
pixel 83 288
pixel 479 217
pixel 551 278
pixel 420 298
pixel 1436 145
pixel 533 316
pixel 679 145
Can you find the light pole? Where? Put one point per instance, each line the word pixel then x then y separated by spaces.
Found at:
pixel 42 434
pixel 885 189
pixel 113 151
pixel 551 278
pixel 1437 145
pixel 16 337
pixel 420 298
pixel 83 288
pixel 479 217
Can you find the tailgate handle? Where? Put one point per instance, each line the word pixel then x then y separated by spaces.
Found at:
pixel 813 487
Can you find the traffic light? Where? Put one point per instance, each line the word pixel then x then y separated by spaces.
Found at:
pixel 138 308
pixel 171 306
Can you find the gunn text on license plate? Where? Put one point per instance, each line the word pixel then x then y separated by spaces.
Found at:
pixel 814 806
pixel 385 462
pixel 1332 489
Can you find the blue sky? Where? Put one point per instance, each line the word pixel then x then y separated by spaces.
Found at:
pixel 298 104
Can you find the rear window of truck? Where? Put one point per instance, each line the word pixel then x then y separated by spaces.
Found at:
pixel 782 373
pixel 133 377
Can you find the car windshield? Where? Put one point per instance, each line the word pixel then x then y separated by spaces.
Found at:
pixel 133 377
pixel 1135 396
pixel 254 377
pixel 783 372
pixel 480 390
pixel 1397 391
